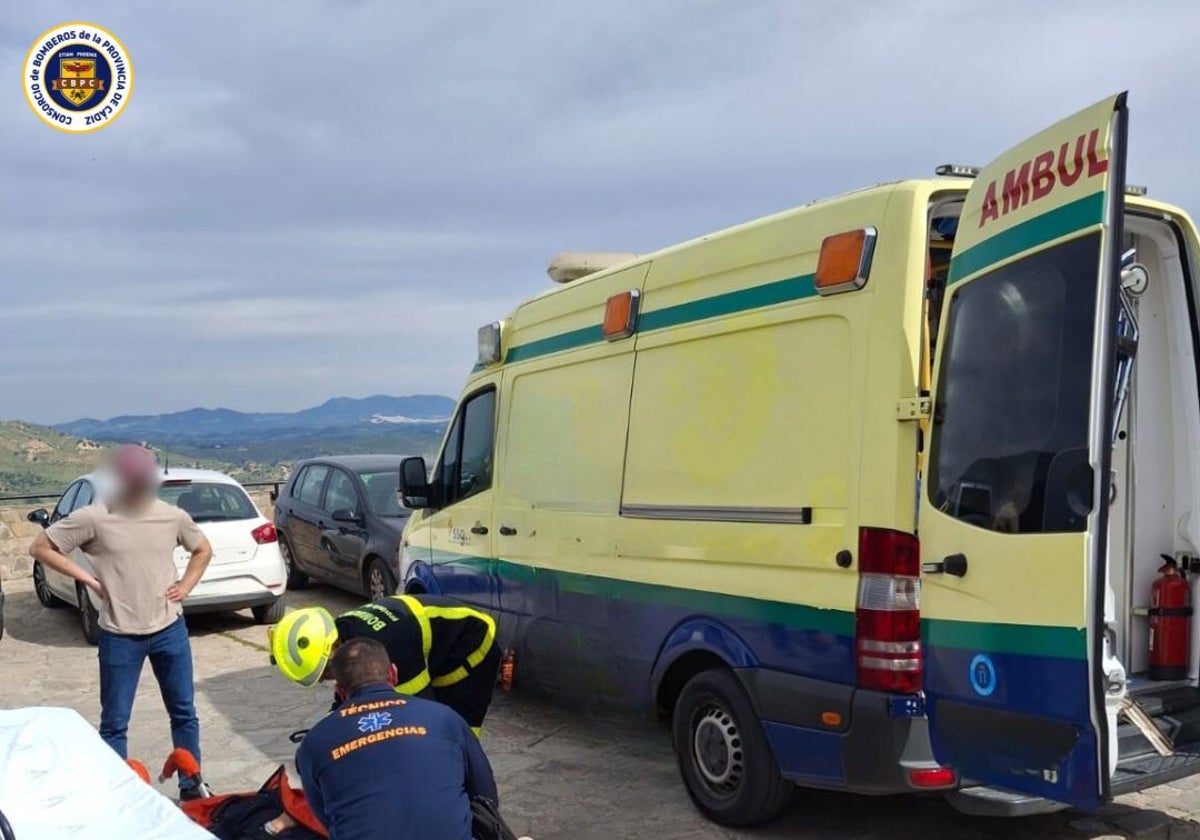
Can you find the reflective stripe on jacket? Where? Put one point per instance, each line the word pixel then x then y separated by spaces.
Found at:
pixel 433 641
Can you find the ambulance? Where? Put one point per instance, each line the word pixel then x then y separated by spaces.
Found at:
pixel 867 495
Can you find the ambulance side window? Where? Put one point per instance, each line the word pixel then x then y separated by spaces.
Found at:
pixel 466 467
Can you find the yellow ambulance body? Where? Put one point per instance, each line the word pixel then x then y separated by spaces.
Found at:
pixel 818 488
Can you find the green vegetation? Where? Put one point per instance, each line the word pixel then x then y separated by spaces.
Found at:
pixel 38 460
pixel 35 459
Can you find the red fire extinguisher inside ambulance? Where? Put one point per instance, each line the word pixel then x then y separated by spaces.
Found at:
pixel 1170 623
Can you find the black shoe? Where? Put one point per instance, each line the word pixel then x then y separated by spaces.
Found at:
pixel 190 794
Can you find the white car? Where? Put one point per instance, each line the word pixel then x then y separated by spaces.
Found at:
pixel 247 569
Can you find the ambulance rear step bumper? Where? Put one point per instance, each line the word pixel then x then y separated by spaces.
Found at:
pixel 980 801
pixel 1151 770
pixel 1175 710
pixel 1133 774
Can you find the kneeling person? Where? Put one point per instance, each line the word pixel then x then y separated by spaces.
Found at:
pixel 384 767
pixel 442 650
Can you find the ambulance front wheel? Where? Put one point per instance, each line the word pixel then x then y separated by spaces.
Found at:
pixel 724 758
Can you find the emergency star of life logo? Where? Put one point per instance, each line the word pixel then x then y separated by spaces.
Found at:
pixel 77 77
pixel 374 721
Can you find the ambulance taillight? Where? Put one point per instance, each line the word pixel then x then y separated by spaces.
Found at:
pixel 887 644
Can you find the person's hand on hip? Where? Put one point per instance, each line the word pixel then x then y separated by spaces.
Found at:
pixel 96 586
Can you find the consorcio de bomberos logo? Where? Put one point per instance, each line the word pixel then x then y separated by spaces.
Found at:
pixel 78 77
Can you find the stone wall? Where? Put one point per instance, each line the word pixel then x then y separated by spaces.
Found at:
pixel 16 532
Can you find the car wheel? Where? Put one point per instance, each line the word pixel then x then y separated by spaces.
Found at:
pixel 89 617
pixel 724 758
pixel 378 581
pixel 42 589
pixel 296 579
pixel 269 613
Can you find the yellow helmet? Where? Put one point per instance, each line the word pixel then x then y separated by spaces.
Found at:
pixel 301 643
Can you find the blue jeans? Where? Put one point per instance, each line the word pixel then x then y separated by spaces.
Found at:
pixel 121 660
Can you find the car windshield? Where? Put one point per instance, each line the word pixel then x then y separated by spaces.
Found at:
pixel 209 501
pixel 382 487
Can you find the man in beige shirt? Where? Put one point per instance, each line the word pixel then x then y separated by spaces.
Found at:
pixel 131 540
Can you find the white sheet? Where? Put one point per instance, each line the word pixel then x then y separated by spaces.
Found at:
pixel 58 780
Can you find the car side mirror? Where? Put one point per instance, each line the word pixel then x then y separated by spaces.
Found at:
pixel 345 515
pixel 414 484
pixel 41 516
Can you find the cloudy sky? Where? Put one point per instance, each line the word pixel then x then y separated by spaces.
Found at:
pixel 307 199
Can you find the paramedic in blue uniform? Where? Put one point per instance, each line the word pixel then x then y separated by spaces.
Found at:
pixel 388 767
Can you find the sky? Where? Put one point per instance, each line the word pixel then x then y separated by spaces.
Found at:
pixel 312 199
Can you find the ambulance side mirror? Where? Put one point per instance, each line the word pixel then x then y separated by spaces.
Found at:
pixel 414 483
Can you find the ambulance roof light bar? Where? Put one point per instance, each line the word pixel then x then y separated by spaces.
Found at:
pixel 957 170
pixel 574 265
pixel 1135 190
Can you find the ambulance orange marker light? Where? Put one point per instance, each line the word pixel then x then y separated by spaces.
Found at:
pixel 845 261
pixel 620 315
pixel 831 719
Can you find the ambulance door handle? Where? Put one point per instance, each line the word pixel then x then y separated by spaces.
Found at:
pixel 953 564
pixel 479 529
pixel 508 531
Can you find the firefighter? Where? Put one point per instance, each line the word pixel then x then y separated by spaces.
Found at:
pixel 440 649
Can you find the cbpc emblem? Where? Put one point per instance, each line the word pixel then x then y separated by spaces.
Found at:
pixel 983 675
pixel 77 77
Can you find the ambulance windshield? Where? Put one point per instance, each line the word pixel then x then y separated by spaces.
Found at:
pixel 1010 439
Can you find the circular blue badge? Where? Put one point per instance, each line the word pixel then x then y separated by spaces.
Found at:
pixel 983 675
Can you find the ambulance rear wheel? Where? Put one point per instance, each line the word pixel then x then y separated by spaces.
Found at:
pixel 726 763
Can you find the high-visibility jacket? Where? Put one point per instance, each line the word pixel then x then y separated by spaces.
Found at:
pixel 432 641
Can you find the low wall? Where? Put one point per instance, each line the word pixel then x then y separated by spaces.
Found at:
pixel 16 532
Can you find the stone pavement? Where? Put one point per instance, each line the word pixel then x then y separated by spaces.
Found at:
pixel 562 774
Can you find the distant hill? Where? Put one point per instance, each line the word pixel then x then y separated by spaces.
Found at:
pixel 264 445
pixel 211 425
pixel 37 459
pixel 34 458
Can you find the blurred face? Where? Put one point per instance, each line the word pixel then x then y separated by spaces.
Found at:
pixel 133 472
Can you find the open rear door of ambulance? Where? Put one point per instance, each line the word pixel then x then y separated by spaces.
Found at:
pixel 1012 542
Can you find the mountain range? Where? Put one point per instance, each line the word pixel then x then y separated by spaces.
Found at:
pixel 214 425
pixel 251 446
pixel 265 444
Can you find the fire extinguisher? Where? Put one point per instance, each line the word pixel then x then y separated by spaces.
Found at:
pixel 1170 623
